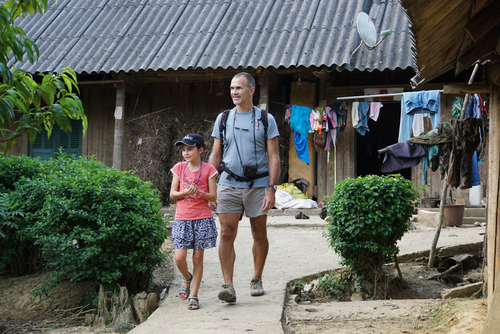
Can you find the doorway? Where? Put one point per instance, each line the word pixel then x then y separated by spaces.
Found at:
pixel 383 132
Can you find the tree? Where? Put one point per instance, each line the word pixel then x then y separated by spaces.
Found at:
pixel 27 105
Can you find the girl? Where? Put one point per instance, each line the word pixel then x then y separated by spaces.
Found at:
pixel 193 186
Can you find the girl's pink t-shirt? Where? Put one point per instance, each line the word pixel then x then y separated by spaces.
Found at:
pixel 191 207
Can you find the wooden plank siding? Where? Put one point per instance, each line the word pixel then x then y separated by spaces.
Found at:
pixel 99 104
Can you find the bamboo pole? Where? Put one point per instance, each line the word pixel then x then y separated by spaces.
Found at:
pixel 445 184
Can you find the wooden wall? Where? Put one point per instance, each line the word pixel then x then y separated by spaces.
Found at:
pixel 99 105
pixel 303 95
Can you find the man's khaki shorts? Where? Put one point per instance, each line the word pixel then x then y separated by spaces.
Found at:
pixel 239 200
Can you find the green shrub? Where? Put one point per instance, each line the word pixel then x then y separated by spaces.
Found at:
pixel 19 256
pixel 91 221
pixel 367 216
pixel 336 285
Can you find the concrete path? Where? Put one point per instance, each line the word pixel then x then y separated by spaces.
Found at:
pixel 296 249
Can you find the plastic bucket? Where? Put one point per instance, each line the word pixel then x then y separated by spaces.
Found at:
pixel 454 214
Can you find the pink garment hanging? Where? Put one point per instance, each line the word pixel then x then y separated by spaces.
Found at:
pixel 375 110
pixel 331 136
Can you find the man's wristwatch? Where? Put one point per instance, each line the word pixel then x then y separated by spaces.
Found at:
pixel 275 187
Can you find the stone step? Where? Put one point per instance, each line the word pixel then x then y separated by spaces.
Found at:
pixel 430 216
pixel 468 212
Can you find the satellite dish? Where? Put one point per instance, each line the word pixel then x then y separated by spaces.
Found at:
pixel 366 30
pixel 368 33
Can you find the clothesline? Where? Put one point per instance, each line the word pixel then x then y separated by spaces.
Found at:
pixel 370 96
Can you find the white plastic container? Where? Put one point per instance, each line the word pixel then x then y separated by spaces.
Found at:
pixel 476 194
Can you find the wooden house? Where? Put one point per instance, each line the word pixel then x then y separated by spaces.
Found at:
pixel 136 58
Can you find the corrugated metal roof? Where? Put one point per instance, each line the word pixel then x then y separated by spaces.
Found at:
pixel 132 35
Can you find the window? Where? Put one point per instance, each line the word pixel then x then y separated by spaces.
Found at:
pixel 71 142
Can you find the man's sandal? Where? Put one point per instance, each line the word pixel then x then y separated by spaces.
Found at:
pixel 193 304
pixel 185 291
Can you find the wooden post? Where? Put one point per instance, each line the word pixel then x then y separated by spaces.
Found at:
pixel 445 183
pixel 264 90
pixel 493 202
pixel 119 115
pixel 321 166
pixel 440 222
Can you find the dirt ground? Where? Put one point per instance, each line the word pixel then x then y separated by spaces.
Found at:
pixel 413 307
pixel 63 310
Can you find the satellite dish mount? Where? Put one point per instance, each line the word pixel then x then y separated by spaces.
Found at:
pixel 368 33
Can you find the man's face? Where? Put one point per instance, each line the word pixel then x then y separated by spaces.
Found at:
pixel 240 93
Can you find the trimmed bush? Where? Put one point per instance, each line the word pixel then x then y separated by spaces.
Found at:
pixel 367 216
pixel 90 221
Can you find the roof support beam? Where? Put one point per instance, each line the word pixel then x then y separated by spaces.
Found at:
pixel 480 50
pixel 484 21
pixel 456 89
pixel 119 113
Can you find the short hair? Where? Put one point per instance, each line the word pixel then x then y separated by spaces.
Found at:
pixel 248 77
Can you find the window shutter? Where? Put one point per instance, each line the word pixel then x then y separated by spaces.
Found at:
pixel 71 142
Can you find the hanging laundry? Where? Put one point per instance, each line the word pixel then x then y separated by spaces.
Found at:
pixel 288 113
pixel 375 110
pixel 301 146
pixel 324 122
pixel 313 117
pixel 362 126
pixel 401 155
pixel 474 109
pixel 465 141
pixel 355 113
pixel 341 110
pixel 416 103
pixel 431 157
pixel 438 141
pixel 418 124
pixel 319 120
pixel 456 109
pixel 299 120
pixel 332 128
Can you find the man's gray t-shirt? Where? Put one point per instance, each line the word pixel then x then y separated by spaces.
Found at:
pixel 239 136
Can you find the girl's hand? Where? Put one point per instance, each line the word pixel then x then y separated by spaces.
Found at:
pixel 190 189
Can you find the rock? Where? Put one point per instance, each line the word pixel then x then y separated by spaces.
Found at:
pixel 356 296
pixel 144 304
pixel 113 309
pixel 462 291
pixel 163 294
pixel 122 310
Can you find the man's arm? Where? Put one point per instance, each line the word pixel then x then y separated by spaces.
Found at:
pixel 274 171
pixel 215 156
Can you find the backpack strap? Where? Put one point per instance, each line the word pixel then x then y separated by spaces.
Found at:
pixel 263 117
pixel 222 130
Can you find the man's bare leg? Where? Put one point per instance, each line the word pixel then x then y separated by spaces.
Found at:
pixel 260 249
pixel 227 256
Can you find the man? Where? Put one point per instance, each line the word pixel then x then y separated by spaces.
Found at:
pixel 247 182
